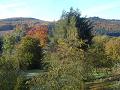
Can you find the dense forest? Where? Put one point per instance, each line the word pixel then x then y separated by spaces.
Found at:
pixel 63 55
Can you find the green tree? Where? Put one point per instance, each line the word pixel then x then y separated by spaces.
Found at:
pixel 9 72
pixel 73 27
pixel 29 53
pixel 10 40
pixel 65 30
pixel 9 67
pixel 8 43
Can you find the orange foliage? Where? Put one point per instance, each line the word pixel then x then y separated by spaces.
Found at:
pixel 39 32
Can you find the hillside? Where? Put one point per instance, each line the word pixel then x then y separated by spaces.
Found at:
pixel 106 26
pixel 22 20
pixel 101 26
pixel 10 23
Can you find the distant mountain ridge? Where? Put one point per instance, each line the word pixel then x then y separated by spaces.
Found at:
pixel 22 20
pixel 8 24
pixel 106 26
pixel 101 19
pixel 101 26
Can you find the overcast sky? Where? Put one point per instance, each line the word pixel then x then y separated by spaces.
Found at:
pixel 51 9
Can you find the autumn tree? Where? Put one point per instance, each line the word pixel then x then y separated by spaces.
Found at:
pixel 39 32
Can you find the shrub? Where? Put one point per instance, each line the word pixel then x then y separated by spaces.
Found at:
pixel 9 72
pixel 96 53
pixel 112 48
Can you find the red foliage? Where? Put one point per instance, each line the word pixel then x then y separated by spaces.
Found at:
pixel 39 32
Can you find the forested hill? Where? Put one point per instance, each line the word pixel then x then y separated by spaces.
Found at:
pixel 101 26
pixel 106 26
pixel 22 20
pixel 9 23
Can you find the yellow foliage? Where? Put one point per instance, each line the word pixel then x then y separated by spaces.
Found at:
pixel 112 48
pixel 100 39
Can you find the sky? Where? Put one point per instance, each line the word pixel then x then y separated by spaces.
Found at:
pixel 51 10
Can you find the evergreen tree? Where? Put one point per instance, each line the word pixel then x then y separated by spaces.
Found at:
pixel 1 42
pixel 72 26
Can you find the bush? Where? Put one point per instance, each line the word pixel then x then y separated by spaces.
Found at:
pixel 98 58
pixel 96 53
pixel 9 72
pixel 100 40
pixel 112 48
